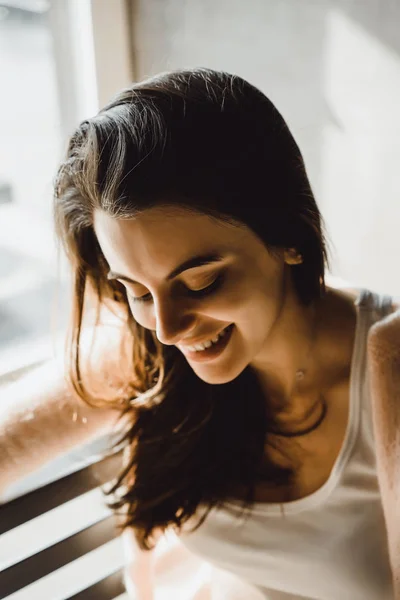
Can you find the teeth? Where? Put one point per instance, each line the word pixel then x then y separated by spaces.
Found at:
pixel 207 344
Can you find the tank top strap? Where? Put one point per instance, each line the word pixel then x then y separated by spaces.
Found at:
pixel 372 307
pixel 377 305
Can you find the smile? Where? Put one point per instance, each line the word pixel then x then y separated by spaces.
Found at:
pixel 208 343
pixel 210 348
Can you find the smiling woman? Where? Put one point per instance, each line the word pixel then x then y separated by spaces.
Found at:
pixel 189 298
pixel 185 206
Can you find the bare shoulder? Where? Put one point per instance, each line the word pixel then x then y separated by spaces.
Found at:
pixel 342 286
pixel 384 336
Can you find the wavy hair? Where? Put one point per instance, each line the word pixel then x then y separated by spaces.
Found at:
pixel 212 143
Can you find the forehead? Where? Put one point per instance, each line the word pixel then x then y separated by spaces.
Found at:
pixel 161 237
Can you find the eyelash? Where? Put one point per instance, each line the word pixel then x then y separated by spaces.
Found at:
pixel 210 289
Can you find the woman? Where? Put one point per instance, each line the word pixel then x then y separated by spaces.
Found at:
pixel 185 209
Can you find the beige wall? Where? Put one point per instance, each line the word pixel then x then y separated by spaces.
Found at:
pixel 333 70
pixel 111 38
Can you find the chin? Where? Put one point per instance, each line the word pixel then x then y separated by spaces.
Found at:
pixel 217 376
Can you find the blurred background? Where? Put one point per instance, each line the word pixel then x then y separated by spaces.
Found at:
pixel 331 67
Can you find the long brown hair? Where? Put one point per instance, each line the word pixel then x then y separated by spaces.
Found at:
pixel 213 143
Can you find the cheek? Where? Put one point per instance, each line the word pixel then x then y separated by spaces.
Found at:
pixel 256 306
pixel 243 300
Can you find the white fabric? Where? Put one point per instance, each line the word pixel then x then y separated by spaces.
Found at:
pixel 330 545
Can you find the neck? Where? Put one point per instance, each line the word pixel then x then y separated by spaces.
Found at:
pixel 288 360
pixel 316 339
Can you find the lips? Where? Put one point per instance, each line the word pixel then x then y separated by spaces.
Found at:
pixel 213 351
pixel 207 343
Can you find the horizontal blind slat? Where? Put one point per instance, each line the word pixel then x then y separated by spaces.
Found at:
pixel 31 505
pixel 52 527
pixel 41 564
pixel 76 576
pixel 106 589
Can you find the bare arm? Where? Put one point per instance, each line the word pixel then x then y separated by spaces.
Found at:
pixel 41 419
pixel 384 357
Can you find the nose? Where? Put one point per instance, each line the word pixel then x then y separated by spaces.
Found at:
pixel 173 322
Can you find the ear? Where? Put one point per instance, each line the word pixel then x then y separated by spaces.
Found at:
pixel 292 257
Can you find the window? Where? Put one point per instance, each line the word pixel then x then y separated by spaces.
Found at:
pixel 50 81
pixel 30 147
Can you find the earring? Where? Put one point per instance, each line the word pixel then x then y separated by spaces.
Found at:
pixel 292 257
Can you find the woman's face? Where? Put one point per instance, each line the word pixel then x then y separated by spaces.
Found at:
pixel 191 278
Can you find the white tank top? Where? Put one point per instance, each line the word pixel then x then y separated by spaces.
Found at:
pixel 330 545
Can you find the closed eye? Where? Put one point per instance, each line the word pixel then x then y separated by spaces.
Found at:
pixel 209 289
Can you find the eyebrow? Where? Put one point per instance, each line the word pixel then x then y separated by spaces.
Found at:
pixel 191 263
